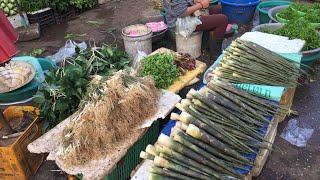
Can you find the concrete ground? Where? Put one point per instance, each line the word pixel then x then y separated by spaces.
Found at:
pixel 286 162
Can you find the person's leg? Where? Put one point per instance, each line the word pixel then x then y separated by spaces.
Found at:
pixel 216 9
pixel 216 25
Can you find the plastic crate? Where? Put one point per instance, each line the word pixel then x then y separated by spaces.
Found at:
pixel 132 158
pixel 16 162
pixel 62 16
pixel 44 18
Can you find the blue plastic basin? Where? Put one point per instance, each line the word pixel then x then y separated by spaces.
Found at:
pixel 239 11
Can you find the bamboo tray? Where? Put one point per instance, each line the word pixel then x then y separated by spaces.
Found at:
pixel 184 80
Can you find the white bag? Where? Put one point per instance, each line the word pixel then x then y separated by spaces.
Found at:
pixel 186 26
pixel 137 60
pixel 67 51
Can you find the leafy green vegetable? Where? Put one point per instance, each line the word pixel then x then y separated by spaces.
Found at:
pixel 60 95
pixel 288 14
pixel 300 29
pixel 32 5
pixel 68 36
pixel 97 22
pixel 60 5
pixel 111 30
pixel 312 12
pixel 34 52
pixel 83 3
pixel 161 66
pixel 300 7
pixel 313 16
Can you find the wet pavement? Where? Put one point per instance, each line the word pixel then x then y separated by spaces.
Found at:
pixel 286 161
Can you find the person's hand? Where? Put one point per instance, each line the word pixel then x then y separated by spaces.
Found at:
pixel 205 3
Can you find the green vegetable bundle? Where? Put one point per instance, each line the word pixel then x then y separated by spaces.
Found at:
pixel 161 66
pixel 63 90
pixel 299 29
pixel 248 63
pixel 8 7
pixel 221 124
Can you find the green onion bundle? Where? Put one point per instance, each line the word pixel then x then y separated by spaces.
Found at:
pixel 249 63
pixel 218 124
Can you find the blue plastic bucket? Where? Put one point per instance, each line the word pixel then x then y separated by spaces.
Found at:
pixel 239 11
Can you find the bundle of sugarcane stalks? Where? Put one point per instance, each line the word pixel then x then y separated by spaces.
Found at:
pixel 219 125
pixel 245 62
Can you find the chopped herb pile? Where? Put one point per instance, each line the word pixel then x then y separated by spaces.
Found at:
pixel 64 88
pixel 312 12
pixel 294 30
pixel 161 66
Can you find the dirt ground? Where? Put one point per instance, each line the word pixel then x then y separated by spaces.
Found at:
pixel 286 162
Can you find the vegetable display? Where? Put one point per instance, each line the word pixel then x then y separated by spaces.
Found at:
pixel 222 124
pixel 8 7
pixel 248 63
pixel 60 95
pixel 161 66
pixel 113 108
pixel 184 62
pixel 293 30
pixel 310 13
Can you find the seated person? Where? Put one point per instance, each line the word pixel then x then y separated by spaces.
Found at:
pixel 214 24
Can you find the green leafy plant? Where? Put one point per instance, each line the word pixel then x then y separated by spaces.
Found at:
pixel 288 14
pixel 32 5
pixel 299 29
pixel 60 5
pixel 83 3
pixel 64 88
pixel 161 66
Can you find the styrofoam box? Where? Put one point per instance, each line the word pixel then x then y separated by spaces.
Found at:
pixel 16 21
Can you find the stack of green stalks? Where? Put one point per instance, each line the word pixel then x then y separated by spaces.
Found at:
pixel 218 125
pixel 248 63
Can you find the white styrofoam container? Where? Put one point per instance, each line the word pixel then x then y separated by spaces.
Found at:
pixel 16 21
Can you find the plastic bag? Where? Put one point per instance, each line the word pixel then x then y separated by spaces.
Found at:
pixel 67 51
pixel 137 60
pixel 186 26
pixel 295 135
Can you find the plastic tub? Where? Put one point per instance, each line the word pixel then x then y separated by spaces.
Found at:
pixel 158 36
pixel 239 11
pixel 264 8
pixel 273 12
pixel 281 20
pixel 191 45
pixel 28 90
pixel 142 40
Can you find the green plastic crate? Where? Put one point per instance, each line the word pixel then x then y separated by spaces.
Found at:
pixel 132 158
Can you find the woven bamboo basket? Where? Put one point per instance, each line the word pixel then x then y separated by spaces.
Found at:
pixel 14 75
